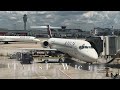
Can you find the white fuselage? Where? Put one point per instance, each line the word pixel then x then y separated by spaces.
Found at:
pixel 18 39
pixel 79 49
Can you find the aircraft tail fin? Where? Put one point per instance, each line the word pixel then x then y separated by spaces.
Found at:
pixel 49 31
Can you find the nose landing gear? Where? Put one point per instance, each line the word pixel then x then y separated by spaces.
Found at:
pixel 61 60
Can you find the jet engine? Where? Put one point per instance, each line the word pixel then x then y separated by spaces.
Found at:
pixel 45 44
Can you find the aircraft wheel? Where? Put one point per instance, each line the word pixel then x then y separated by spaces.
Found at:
pixel 5 42
pixel 90 63
pixel 61 60
pixel 46 61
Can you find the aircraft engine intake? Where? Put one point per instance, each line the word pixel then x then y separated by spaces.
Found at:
pixel 45 44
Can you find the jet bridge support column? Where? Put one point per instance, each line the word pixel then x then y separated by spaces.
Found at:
pixel 109 47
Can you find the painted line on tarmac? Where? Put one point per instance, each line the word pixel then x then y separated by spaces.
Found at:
pixel 65 74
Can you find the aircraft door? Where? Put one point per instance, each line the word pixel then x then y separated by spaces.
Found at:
pixel 75 53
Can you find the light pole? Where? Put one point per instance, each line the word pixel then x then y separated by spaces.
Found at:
pixel 113 31
pixel 24 20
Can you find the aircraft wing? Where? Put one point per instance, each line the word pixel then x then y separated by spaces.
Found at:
pixel 41 49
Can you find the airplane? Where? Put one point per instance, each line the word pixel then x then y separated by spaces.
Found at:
pixel 7 39
pixel 78 49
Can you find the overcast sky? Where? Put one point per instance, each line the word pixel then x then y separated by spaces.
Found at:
pixel 85 20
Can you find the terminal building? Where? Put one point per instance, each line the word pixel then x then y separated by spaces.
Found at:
pixel 106 41
pixel 70 33
pixel 105 31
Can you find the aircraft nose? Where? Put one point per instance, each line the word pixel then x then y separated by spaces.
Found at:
pixel 37 40
pixel 93 55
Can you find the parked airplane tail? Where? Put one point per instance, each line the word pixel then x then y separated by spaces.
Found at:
pixel 45 44
pixel 49 31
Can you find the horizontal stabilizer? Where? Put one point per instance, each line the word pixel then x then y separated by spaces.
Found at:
pixel 44 27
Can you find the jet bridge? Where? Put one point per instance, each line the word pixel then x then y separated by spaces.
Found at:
pixel 97 43
pixel 106 46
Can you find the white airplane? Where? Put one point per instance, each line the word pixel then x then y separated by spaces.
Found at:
pixel 7 39
pixel 78 49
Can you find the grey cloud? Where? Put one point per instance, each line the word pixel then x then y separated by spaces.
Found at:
pixel 78 19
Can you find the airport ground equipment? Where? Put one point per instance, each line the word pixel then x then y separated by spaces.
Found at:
pixel 12 56
pixel 42 54
pixel 48 56
pixel 27 55
pixel 18 56
pixel 23 57
pixel 26 58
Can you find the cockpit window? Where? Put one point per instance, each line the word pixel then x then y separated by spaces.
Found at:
pixel 86 46
pixel 90 47
pixel 81 47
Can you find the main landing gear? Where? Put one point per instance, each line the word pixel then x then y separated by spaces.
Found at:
pixel 90 63
pixel 5 42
